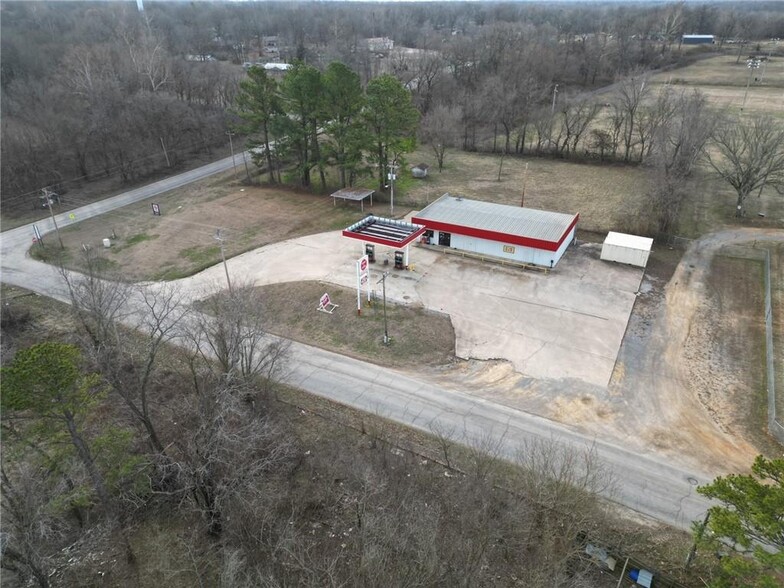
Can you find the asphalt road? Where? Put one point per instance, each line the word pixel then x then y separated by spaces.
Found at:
pixel 643 483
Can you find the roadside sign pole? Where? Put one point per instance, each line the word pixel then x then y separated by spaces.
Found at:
pixel 383 281
pixel 363 277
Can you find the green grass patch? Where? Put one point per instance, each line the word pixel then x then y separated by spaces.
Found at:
pixel 202 255
pixel 139 238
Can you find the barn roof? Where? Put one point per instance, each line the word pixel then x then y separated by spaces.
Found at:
pixel 499 222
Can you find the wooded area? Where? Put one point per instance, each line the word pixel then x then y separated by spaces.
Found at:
pixel 94 90
pixel 149 441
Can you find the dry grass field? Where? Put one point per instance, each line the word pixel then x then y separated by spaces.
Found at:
pixel 418 337
pixel 604 195
pixel 724 81
pixel 182 240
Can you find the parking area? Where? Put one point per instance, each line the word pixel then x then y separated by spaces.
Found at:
pixel 567 324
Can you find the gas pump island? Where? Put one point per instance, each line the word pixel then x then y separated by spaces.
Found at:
pixel 372 231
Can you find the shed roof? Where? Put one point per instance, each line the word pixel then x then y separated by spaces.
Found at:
pixel 501 222
pixel 352 193
pixel 628 241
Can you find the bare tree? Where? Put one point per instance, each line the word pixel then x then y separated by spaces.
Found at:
pixel 749 156
pixel 29 526
pixel 439 128
pixel 576 116
pixel 126 360
pixel 99 302
pixel 232 332
pixel 683 129
pixel 631 94
pixel 227 450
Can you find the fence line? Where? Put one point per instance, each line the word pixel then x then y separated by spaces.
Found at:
pixel 775 410
pixel 775 407
pixel 774 426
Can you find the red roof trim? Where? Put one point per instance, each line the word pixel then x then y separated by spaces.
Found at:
pixel 495 236
pixel 361 237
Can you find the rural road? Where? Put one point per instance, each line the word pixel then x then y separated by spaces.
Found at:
pixel 644 483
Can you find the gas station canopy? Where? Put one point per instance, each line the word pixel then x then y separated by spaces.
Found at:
pixel 384 231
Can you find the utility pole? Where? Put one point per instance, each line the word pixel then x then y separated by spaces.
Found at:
pixel 49 201
pixel 765 65
pixel 166 155
pixel 392 176
pixel 219 239
pixel 231 146
pixel 555 94
pixel 525 178
pixel 383 281
pixel 245 161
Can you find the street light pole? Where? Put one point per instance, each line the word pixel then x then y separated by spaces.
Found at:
pixel 219 239
pixel 231 146
pixel 555 94
pixel 392 176
pixel 383 281
pixel 752 64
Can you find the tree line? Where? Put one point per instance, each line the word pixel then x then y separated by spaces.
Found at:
pixel 326 120
pixel 101 90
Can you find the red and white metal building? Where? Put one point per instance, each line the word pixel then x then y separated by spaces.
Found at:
pixel 524 235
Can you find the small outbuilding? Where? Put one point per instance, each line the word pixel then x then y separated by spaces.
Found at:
pixel 524 235
pixel 629 249
pixel 420 171
pixel 698 39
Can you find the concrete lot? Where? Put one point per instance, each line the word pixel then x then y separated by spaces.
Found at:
pixel 562 325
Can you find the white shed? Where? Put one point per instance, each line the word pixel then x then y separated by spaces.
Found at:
pixel 625 248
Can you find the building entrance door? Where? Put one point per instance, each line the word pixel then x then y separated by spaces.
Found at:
pixel 444 239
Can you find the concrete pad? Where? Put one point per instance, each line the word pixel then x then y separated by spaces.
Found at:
pixel 565 324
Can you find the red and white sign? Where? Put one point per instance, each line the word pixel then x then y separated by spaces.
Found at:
pixel 324 300
pixel 362 279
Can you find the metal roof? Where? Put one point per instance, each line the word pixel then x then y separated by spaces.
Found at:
pixel 499 218
pixel 352 193
pixel 628 241
pixel 385 231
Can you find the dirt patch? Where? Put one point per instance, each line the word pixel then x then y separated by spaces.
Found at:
pixel 419 337
pixel 725 350
pixel 183 239
pixel 583 409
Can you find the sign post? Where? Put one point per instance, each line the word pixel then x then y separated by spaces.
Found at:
pixel 38 238
pixel 362 278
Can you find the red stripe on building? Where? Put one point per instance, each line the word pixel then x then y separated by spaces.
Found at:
pixel 495 236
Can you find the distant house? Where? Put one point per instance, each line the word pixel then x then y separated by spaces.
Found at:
pixel 420 170
pixel 698 39
pixel 380 44
pixel 277 66
pixel 200 58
